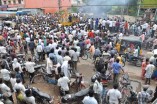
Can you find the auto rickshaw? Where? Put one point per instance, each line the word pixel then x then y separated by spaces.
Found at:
pixel 126 47
pixel 126 42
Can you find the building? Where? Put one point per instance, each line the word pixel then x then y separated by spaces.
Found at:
pixel 13 5
pixel 48 6
pixel 76 2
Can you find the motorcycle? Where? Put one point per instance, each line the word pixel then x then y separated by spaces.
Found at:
pixel 137 61
pixel 132 99
pixel 77 97
pixel 41 97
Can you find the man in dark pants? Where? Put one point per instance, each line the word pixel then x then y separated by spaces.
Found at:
pixel 116 70
pixel 30 68
pixel 32 46
pixel 75 59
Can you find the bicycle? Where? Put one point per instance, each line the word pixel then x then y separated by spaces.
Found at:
pixel 77 82
pixel 125 87
pixel 43 78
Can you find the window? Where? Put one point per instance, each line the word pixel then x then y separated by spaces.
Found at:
pixel 14 1
pixel 9 2
pixel 5 2
pixel 19 1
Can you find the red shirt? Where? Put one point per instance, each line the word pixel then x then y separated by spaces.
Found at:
pixel 91 34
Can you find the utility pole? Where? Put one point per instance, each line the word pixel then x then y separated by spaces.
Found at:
pixel 59 5
pixel 139 7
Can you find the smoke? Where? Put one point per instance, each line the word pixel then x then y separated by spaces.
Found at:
pixel 100 8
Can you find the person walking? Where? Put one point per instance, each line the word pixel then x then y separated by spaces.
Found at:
pixel 30 68
pixel 116 70
pixel 114 95
pixel 90 98
pixel 143 96
pixel 98 88
pixel 149 71
pixel 144 65
pixel 75 59
pixel 63 83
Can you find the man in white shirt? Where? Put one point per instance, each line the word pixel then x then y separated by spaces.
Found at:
pixel 19 85
pixel 49 66
pixel 30 68
pixel 110 25
pixel 16 64
pixel 154 29
pixel 63 83
pixel 59 58
pixel 29 98
pixel 5 90
pixel 103 24
pixel 67 57
pixel 149 71
pixel 90 99
pixel 64 69
pixel 5 75
pixel 114 95
pixel 39 50
pixel 98 88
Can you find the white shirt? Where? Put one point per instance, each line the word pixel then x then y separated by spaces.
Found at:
pixel 3 49
pixel 136 53
pixel 66 58
pixel 89 100
pixel 97 87
pixel 155 51
pixel 30 99
pixel 63 83
pixel 12 81
pixel 154 27
pixel 49 66
pixel 144 26
pixel 5 89
pixel 103 23
pixel 18 37
pixel 120 35
pixel 113 23
pixel 17 65
pixel 64 69
pixel 39 48
pixel 28 39
pixel 5 74
pixel 19 86
pixel 149 70
pixel 70 36
pixel 30 66
pixel 110 23
pixel 54 45
pixel 114 95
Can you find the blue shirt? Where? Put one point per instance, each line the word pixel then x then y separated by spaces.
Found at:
pixel 116 68
pixel 53 56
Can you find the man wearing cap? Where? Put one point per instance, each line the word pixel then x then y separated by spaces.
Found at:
pixel 143 96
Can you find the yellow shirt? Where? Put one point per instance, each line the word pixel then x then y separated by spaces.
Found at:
pixel 120 60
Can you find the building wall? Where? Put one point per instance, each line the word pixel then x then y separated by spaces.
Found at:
pixel 49 6
pixel 76 2
pixel 12 2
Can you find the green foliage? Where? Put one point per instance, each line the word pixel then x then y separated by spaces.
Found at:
pixel 148 3
pixel 74 9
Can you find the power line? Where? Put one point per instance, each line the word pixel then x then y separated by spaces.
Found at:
pixel 155 5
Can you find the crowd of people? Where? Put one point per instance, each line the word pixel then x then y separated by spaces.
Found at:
pixel 60 47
